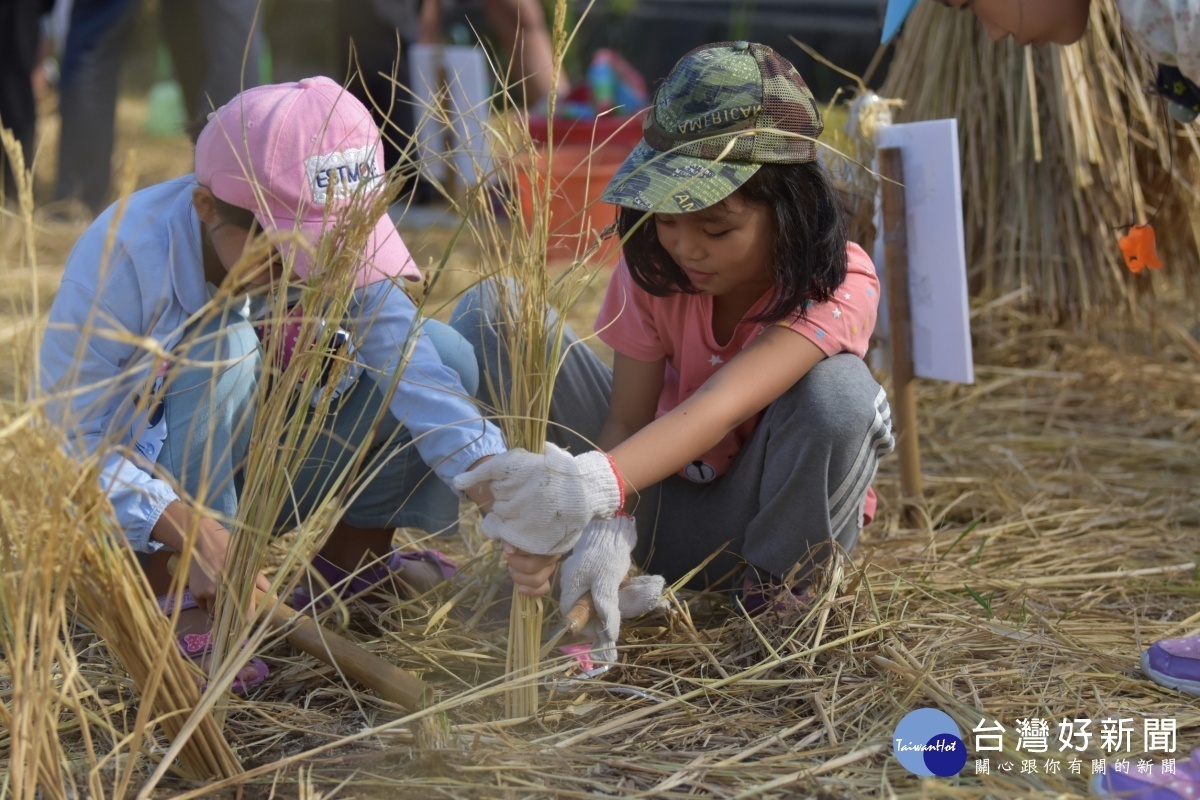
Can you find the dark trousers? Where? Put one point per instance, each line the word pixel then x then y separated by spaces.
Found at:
pixel 210 40
pixel 19 35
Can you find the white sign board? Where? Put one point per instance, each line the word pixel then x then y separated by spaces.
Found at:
pixel 452 93
pixel 937 264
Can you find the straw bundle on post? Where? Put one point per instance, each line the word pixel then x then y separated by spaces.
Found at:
pixel 1061 150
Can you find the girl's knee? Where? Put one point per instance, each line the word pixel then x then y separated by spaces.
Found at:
pixel 476 309
pixel 838 394
pixel 455 352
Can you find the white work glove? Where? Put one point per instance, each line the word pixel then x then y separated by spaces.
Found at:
pixel 543 501
pixel 599 564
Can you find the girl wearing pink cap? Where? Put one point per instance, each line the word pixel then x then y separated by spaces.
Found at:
pixel 173 432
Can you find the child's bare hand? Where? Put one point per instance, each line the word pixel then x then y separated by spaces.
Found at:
pixel 530 572
pixel 209 560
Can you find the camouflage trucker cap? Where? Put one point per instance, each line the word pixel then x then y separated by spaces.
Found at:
pixel 723 111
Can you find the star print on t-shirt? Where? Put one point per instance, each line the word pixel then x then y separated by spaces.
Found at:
pixel 715 359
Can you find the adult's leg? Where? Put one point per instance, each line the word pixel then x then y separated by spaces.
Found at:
pixel 373 49
pixel 582 387
pixel 19 29
pixel 796 488
pixel 216 46
pixel 96 40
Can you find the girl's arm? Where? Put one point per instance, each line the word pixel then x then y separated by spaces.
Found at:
pixel 637 386
pixel 646 450
pixel 750 382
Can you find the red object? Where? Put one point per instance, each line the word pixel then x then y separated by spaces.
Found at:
pixel 608 130
pixel 577 176
pixel 1139 248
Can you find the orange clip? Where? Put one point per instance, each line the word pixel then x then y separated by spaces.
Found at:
pixel 1138 247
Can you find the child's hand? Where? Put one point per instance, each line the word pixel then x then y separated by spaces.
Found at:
pixel 530 572
pixel 205 573
pixel 599 565
pixel 209 556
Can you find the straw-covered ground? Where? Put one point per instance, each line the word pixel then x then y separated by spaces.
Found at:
pixel 1057 539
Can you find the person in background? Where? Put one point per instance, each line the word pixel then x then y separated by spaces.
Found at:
pixel 20 29
pixel 215 49
pixel 373 37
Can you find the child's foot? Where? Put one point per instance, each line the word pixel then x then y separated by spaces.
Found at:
pixel 193 630
pixel 757 598
pixel 1182 784
pixel 1175 663
pixel 402 574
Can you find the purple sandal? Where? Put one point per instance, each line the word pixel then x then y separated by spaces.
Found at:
pixel 310 595
pixel 197 645
pixel 1175 663
pixel 1181 782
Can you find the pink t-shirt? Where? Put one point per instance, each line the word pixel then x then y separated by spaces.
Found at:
pixel 678 327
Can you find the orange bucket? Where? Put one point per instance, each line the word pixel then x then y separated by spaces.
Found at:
pixel 577 177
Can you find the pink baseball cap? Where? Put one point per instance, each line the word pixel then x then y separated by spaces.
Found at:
pixel 292 153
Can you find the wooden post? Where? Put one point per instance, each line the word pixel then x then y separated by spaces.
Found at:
pixel 904 407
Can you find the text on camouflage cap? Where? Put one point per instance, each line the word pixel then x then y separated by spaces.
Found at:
pixel 722 112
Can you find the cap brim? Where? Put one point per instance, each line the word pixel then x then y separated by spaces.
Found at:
pixel 384 255
pixel 893 19
pixel 670 183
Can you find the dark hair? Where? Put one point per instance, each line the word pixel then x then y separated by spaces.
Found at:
pixel 193 126
pixel 235 215
pixel 229 213
pixel 809 251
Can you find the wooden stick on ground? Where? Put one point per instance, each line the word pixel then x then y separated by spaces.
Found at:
pixel 385 679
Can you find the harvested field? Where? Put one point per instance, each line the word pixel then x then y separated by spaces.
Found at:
pixel 1059 537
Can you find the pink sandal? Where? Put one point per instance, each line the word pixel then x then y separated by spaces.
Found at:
pixel 197 645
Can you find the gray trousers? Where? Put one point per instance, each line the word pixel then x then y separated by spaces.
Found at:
pixel 208 40
pixel 795 489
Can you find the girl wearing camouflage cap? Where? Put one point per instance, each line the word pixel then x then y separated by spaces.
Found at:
pixel 738 416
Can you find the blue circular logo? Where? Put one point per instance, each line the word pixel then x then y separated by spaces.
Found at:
pixel 927 742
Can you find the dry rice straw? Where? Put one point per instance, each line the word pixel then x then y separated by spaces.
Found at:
pixel 1061 149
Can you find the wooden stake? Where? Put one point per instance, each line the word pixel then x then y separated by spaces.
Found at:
pixel 904 406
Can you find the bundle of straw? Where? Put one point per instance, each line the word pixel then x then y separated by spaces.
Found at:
pixel 1061 151
pixel 290 415
pixel 513 249
pixel 59 554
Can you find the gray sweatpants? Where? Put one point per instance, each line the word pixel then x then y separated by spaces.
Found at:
pixel 796 487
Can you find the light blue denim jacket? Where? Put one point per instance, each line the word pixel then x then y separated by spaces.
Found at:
pixel 137 293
